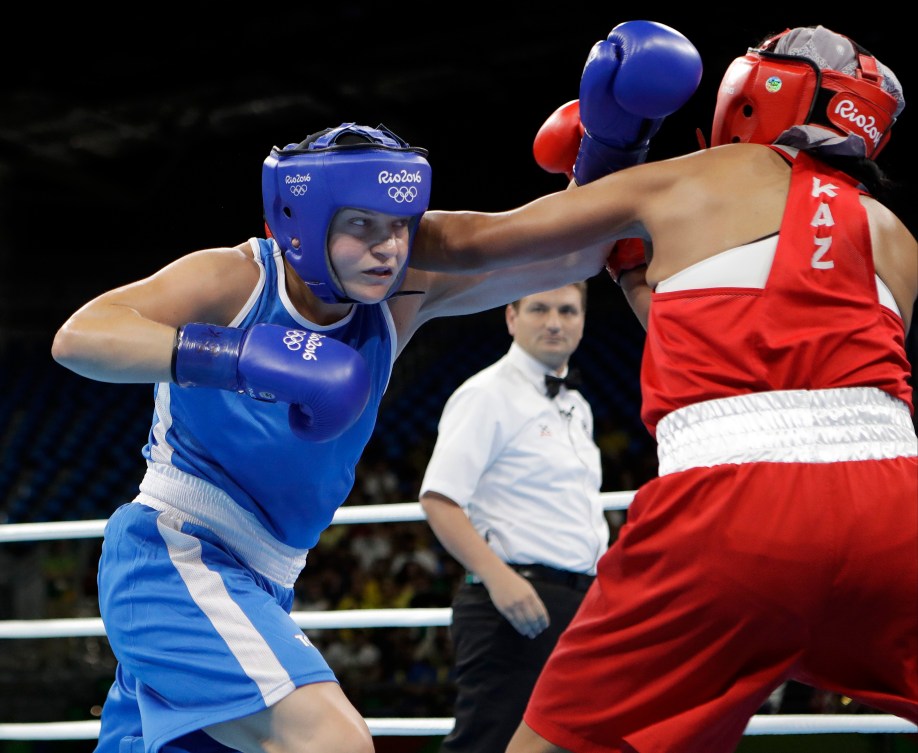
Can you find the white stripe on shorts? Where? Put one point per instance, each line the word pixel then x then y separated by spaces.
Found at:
pixel 209 593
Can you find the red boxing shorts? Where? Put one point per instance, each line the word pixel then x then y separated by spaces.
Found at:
pixel 727 581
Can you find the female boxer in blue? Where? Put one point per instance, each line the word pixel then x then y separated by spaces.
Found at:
pixel 269 362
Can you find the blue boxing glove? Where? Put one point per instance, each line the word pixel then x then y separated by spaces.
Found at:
pixel 631 81
pixel 326 382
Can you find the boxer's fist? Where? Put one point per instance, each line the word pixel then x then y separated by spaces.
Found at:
pixel 631 81
pixel 558 140
pixel 326 382
pixel 627 253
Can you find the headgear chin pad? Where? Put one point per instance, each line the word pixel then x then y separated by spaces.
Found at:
pixel 763 94
pixel 304 186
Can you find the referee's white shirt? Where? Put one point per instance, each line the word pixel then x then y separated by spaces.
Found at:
pixel 523 466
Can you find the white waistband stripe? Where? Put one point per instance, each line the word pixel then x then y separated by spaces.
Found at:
pixel 192 500
pixel 793 426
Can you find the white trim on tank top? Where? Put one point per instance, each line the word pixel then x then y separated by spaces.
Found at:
pixel 745 266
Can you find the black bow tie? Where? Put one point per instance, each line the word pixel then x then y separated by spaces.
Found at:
pixel 553 383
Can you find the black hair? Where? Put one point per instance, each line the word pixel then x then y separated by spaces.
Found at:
pixel 864 170
pixel 345 139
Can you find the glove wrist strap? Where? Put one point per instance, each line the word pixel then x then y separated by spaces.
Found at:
pixel 206 355
pixel 596 159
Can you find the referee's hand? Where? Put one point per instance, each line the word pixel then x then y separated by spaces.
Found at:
pixel 517 600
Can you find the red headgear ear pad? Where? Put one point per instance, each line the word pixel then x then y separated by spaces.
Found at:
pixel 760 97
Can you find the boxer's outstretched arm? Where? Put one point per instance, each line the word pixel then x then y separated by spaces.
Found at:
pixel 584 221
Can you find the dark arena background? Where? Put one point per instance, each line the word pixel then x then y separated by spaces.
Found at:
pixel 129 138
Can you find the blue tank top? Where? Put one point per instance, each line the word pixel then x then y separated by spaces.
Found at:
pixel 246 448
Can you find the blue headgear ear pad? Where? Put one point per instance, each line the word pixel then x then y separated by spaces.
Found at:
pixel 304 185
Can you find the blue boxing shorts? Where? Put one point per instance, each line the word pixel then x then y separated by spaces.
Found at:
pixel 201 629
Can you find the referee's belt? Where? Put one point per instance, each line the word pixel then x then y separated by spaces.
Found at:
pixel 545 574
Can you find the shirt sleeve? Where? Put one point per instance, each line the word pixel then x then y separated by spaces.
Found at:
pixel 468 440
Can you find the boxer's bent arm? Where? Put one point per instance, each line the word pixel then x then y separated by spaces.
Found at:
pixel 127 334
pixel 637 292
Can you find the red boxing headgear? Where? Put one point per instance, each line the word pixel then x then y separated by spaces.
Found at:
pixel 763 94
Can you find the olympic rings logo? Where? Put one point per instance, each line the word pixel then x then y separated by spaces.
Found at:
pixel 403 194
pixel 299 189
pixel 293 339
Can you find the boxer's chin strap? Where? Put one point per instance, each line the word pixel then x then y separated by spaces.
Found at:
pixel 346 299
pixel 702 144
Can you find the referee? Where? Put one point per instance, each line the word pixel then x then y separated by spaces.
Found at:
pixel 512 491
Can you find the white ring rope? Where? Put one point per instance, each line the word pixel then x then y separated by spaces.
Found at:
pixel 339 618
pixel 778 724
pixel 400 512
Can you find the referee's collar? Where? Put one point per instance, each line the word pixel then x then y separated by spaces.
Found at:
pixel 532 368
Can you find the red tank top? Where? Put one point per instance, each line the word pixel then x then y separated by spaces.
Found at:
pixel 817 323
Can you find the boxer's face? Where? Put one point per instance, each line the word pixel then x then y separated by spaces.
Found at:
pixel 367 251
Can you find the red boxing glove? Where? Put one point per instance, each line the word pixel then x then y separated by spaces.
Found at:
pixel 627 253
pixel 558 140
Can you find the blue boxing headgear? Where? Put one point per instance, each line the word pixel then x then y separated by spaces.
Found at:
pixel 304 186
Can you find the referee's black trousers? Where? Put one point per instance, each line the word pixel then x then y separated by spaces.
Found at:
pixel 496 667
